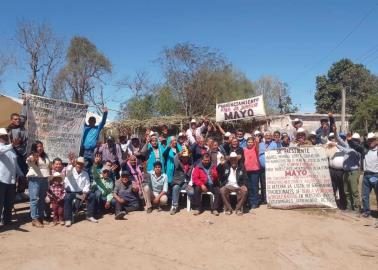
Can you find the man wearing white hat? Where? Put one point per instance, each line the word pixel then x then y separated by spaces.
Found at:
pixel 77 185
pixel 194 130
pixel 370 179
pixel 8 171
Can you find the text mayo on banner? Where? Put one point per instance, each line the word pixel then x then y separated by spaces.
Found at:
pixel 240 109
pixel 298 178
pixel 57 124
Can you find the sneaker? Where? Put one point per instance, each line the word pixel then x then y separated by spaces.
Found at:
pixel 173 210
pixel 149 210
pixel 92 219
pixel 120 215
pixel 365 215
pixel 160 209
pixel 68 223
pixel 215 213
pixel 37 223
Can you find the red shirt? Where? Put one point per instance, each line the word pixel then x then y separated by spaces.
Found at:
pixel 251 159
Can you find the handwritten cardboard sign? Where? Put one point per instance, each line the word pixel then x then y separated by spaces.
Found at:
pixel 57 124
pixel 298 178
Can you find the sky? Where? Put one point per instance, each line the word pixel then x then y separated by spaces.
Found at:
pixel 294 40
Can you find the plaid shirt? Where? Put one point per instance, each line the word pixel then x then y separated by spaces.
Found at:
pixel 56 193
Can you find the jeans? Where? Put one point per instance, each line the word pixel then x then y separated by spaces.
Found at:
pixel 7 195
pixel 37 192
pixel 68 199
pixel 88 157
pixel 367 186
pixel 262 186
pixel 95 201
pixel 253 188
pixel 176 193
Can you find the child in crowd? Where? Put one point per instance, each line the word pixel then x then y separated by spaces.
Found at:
pixel 55 196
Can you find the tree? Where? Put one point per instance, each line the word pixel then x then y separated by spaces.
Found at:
pixel 83 75
pixel 358 82
pixel 44 52
pixel 5 62
pixel 365 118
pixel 138 108
pixel 276 95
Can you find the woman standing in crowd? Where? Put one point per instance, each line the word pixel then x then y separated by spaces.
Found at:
pixel 169 155
pixel 153 151
pixel 252 167
pixel 39 171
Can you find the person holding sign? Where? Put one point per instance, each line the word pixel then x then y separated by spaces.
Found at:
pixel 90 137
pixel 232 178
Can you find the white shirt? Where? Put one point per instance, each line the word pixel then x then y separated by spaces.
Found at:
pixel 8 164
pixel 231 181
pixel 75 182
pixel 39 169
pixel 192 134
pixel 371 160
pixel 337 161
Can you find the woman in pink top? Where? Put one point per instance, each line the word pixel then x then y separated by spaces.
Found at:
pixel 252 166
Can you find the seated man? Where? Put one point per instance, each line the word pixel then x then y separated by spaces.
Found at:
pixel 77 185
pixel 205 179
pixel 101 193
pixel 233 178
pixel 181 178
pixel 126 195
pixel 157 189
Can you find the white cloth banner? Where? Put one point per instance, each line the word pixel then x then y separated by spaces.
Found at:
pixel 298 178
pixel 240 109
pixel 57 124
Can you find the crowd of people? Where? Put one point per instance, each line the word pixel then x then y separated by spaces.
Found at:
pixel 150 173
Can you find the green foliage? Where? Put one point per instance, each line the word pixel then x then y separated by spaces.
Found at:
pixel 366 117
pixel 355 78
pixel 139 108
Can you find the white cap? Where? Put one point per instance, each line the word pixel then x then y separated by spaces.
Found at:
pixel 57 175
pixel 227 134
pixel 193 121
pixel 257 132
pixel 296 120
pixel 331 134
pixel 267 132
pixel 356 136
pixel 313 133
pixel 3 131
pixel 301 130
pixel 80 160
pixel 371 135
pixel 181 134
pixel 152 133
pixel 233 155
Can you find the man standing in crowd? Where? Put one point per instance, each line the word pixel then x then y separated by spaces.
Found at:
pixel 16 130
pixel 370 179
pixel 241 139
pixel 77 186
pixel 225 146
pixel 233 178
pixel 90 137
pixel 9 169
pixel 111 151
pixel 156 192
pixel 198 149
pixel 277 138
pixel 194 131
pixel 205 178
pixel 265 145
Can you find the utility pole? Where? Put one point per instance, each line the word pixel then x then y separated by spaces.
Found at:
pixel 343 101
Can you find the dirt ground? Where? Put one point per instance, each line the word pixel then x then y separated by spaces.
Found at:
pixel 262 239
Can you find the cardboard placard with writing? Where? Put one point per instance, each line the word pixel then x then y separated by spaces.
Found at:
pixel 57 124
pixel 298 178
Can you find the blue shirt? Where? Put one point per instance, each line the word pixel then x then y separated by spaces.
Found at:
pixel 91 134
pixel 262 148
pixel 8 164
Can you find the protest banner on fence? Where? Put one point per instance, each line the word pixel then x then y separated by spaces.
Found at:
pixel 298 178
pixel 240 109
pixel 57 124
